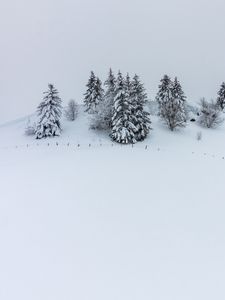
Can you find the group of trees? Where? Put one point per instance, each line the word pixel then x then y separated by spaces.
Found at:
pixel 119 106
pixel 210 111
pixel 173 107
pixel 172 103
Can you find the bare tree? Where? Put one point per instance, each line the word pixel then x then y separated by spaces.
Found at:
pixel 30 128
pixel 210 114
pixel 71 111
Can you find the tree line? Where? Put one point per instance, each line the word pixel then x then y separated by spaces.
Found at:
pixel 120 108
pixel 119 105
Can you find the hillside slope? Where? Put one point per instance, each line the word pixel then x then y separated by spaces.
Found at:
pixel 78 132
pixel 112 222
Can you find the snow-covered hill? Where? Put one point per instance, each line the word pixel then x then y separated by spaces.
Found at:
pixel 112 222
pixel 78 132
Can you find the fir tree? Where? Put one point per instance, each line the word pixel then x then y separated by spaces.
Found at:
pixel 123 129
pixel 128 87
pixel 103 117
pixel 177 91
pixel 94 93
pixel 99 92
pixel 141 116
pixel 178 106
pixel 89 100
pixel 110 89
pixel 49 113
pixel 221 97
pixel 171 100
pixel 164 93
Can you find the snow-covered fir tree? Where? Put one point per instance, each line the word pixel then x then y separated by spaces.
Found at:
pixel 99 91
pixel 221 97
pixel 103 117
pixel 179 109
pixel 110 88
pixel 164 93
pixel 141 116
pixel 177 91
pixel 171 100
pixel 123 128
pixel 94 94
pixel 127 86
pixel 49 114
pixel 89 96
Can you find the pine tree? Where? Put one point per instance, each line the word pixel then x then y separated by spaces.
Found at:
pixel 221 97
pixel 141 116
pixel 94 93
pixel 110 89
pixel 103 117
pixel 164 93
pixel 171 100
pixel 49 113
pixel 128 87
pixel 177 91
pixel 123 129
pixel 178 106
pixel 89 100
pixel 110 86
pixel 99 92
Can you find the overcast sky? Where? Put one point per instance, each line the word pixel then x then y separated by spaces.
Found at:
pixel 56 41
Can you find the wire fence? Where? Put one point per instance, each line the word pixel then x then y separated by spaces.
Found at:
pixel 95 145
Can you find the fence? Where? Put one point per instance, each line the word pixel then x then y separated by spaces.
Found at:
pixel 95 145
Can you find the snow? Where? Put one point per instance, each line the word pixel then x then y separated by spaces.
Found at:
pixel 112 222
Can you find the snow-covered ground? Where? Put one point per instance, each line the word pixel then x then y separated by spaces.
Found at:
pixel 112 222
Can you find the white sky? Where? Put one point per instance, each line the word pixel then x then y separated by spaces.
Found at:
pixel 56 41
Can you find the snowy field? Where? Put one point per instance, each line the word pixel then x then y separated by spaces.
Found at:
pixel 105 222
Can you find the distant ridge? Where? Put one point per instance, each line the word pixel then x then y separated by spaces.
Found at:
pixel 8 123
